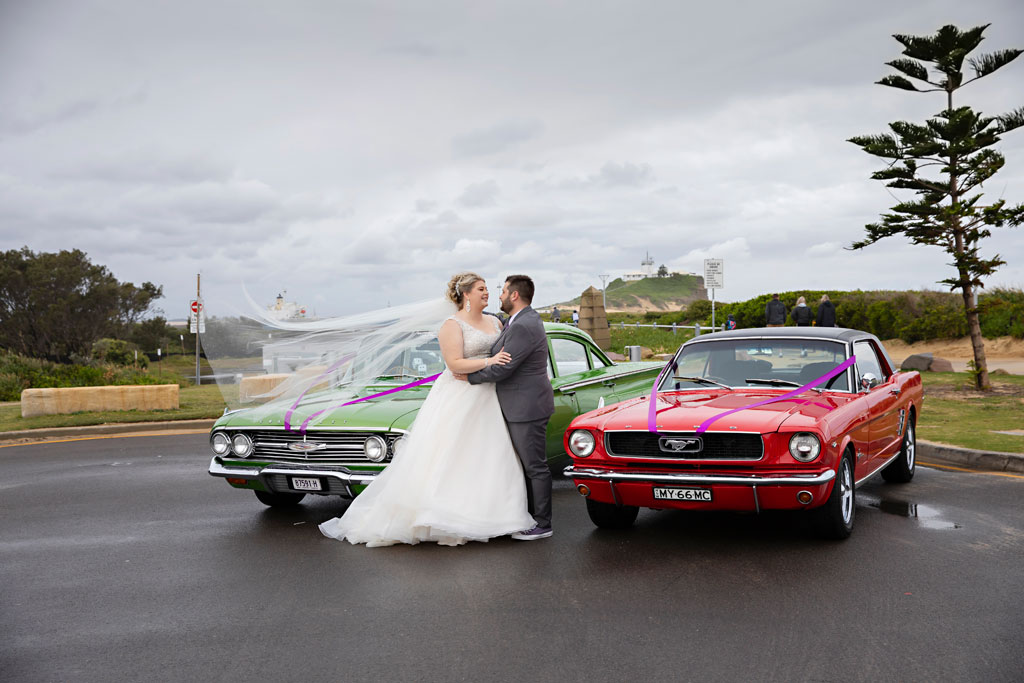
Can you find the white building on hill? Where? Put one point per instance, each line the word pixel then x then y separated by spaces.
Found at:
pixel 647 269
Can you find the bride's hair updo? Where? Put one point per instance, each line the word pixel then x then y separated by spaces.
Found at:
pixel 459 285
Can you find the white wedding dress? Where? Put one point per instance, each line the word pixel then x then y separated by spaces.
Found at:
pixel 457 479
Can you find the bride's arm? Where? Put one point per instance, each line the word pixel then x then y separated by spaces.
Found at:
pixel 450 337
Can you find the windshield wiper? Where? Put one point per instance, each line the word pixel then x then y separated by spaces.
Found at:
pixel 773 382
pixel 703 380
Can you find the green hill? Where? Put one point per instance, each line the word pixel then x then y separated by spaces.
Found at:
pixel 670 293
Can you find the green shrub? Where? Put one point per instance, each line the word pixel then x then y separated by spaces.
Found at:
pixel 118 352
pixel 698 310
pixel 1002 313
pixel 910 316
pixel 19 372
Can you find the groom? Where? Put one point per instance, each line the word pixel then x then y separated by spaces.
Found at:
pixel 525 395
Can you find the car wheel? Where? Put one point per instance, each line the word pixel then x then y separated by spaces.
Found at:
pixel 609 516
pixel 835 517
pixel 277 500
pixel 901 470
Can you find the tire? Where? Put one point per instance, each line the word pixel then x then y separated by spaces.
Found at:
pixel 901 470
pixel 835 518
pixel 279 500
pixel 609 516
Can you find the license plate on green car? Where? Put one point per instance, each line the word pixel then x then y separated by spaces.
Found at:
pixel 306 484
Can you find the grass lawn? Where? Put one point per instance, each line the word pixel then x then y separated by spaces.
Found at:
pixel 953 413
pixel 657 339
pixel 195 403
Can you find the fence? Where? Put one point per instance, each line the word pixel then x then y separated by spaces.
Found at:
pixel 697 329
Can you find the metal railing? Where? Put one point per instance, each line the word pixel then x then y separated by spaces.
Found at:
pixel 697 329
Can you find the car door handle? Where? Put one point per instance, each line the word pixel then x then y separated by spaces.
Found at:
pixel 608 383
pixel 895 390
pixel 571 392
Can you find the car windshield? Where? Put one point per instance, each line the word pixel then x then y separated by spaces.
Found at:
pixel 748 363
pixel 421 361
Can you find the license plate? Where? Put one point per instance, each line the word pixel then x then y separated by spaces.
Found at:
pixel 702 495
pixel 306 484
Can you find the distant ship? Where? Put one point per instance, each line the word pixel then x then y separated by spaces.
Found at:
pixel 287 311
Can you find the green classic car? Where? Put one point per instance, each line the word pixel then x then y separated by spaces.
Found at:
pixel 350 445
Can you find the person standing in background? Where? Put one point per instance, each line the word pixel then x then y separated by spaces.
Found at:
pixel 775 312
pixel 801 313
pixel 826 313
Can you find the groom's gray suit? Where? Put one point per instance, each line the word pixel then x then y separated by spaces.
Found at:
pixel 527 402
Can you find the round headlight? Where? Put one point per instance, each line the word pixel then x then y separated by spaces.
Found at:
pixel 581 443
pixel 375 449
pixel 241 445
pixel 398 445
pixel 220 443
pixel 804 447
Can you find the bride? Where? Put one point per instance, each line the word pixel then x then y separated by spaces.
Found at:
pixel 458 479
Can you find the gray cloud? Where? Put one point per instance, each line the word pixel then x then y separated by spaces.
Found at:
pixel 349 147
pixel 480 194
pixel 496 138
pixel 145 166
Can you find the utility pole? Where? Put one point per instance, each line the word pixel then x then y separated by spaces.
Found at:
pixel 199 299
pixel 604 299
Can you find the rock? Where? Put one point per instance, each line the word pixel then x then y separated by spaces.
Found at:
pixel 919 361
pixel 617 357
pixel 646 352
pixel 999 371
pixel 663 356
pixel 940 365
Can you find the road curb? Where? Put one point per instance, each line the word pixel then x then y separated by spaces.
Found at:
pixel 965 457
pixel 94 430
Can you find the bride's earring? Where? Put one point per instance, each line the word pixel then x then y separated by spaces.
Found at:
pixel 468 308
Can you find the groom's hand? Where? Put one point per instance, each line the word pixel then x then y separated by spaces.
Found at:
pixel 459 377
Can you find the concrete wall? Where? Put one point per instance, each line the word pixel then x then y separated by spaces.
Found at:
pixel 262 388
pixel 97 399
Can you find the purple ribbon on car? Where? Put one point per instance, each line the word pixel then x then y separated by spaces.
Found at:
pixel 305 423
pixel 652 417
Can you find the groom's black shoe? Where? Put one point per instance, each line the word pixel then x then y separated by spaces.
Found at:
pixel 533 534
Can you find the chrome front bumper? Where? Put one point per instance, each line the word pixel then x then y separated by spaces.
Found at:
pixel 696 478
pixel 265 475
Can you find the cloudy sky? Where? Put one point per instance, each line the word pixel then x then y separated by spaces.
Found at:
pixel 356 154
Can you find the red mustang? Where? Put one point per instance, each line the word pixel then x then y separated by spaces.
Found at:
pixel 759 419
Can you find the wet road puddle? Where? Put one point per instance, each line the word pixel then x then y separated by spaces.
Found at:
pixel 925 515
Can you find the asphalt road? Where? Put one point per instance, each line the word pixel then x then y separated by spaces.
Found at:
pixel 122 560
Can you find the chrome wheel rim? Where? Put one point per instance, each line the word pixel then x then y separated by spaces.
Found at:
pixel 911 446
pixel 846 491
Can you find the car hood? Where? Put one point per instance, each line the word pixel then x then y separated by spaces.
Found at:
pixel 395 411
pixel 685 411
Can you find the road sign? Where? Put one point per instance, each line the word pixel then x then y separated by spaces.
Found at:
pixel 714 273
pixel 196 317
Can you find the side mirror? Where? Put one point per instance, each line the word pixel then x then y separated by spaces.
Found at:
pixel 868 381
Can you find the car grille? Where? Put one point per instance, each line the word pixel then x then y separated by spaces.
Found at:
pixel 341 447
pixel 713 446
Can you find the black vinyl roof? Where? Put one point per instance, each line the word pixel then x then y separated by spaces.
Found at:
pixel 840 334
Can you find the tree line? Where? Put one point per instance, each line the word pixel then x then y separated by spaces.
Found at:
pixel 57 306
